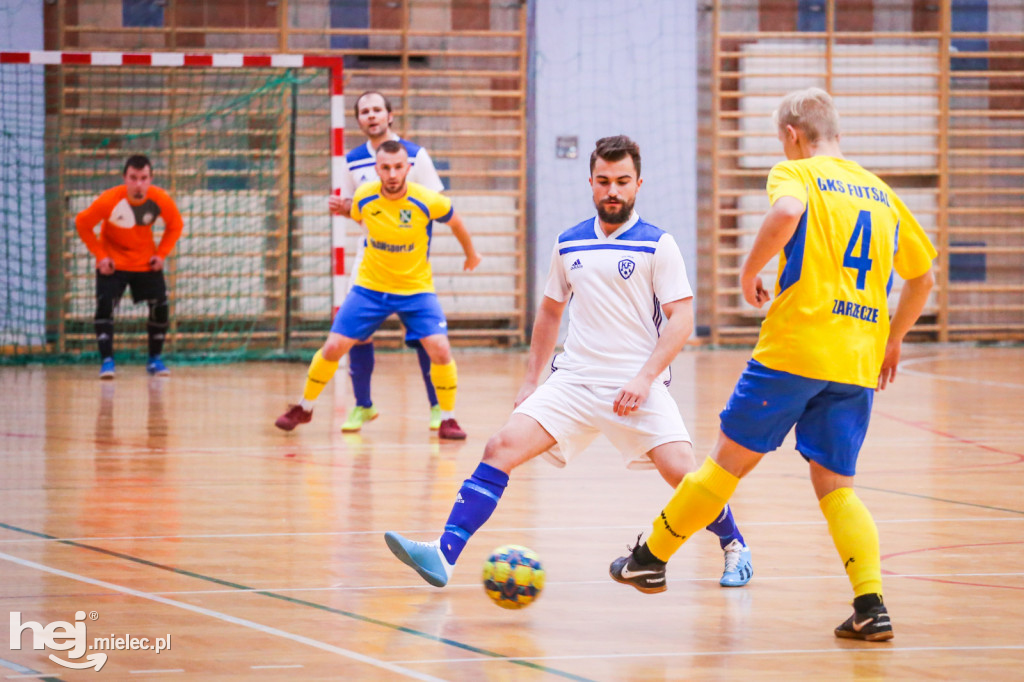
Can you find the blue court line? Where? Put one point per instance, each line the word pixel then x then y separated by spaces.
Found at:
pixel 301 602
pixel 25 670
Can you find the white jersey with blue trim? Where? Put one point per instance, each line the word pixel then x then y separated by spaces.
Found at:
pixel 362 160
pixel 615 285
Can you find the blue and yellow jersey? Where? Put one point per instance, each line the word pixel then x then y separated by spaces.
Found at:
pixel 830 317
pixel 398 236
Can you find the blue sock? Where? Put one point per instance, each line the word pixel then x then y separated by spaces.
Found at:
pixel 360 368
pixel 474 504
pixel 424 359
pixel 725 528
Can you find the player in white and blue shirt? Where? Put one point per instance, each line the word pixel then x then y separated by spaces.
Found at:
pixel 630 313
pixel 362 160
pixel 373 112
pixel 615 282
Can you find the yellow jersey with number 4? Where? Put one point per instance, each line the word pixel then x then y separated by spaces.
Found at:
pixel 398 235
pixel 829 319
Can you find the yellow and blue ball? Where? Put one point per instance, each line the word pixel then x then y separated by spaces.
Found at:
pixel 513 576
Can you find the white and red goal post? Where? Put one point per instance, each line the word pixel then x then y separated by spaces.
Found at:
pixel 236 60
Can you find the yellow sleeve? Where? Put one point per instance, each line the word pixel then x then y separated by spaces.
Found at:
pixel 784 181
pixel 440 208
pixel 356 212
pixel 914 251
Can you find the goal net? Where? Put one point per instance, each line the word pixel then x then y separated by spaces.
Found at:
pixel 242 144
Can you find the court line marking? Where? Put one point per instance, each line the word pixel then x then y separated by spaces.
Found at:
pixel 133 445
pixel 962 546
pixel 604 582
pixel 883 649
pixel 275 667
pixel 524 529
pixel 563 583
pixel 151 672
pixel 259 627
pixel 943 377
pixel 26 673
pixel 920 496
pixel 298 602
pixel 959 439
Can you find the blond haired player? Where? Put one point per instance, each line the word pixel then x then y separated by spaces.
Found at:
pixel 826 345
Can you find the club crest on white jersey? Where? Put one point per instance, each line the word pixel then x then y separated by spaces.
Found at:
pixel 615 285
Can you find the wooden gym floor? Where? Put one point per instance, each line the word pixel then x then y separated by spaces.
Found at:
pixel 173 507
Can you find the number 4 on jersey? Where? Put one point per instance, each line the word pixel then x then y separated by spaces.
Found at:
pixel 861 263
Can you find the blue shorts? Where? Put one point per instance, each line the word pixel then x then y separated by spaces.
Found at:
pixel 363 311
pixel 831 418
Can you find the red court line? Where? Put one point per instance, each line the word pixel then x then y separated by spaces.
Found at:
pixel 950 582
pixel 1018 458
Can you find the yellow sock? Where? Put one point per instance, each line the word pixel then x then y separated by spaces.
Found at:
pixel 856 537
pixel 320 372
pixel 446 382
pixel 697 502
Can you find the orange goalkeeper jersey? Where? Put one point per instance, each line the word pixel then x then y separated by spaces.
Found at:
pixel 126 235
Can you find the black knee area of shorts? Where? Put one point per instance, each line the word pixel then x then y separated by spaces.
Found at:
pixel 159 313
pixel 156 325
pixel 104 309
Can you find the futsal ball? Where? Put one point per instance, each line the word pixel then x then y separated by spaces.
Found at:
pixel 513 576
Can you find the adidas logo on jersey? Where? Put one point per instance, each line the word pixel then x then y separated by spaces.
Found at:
pixel 576 265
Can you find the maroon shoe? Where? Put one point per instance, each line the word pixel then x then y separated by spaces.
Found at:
pixel 451 430
pixel 295 416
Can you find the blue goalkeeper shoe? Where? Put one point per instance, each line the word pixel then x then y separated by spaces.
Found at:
pixel 107 368
pixel 738 568
pixel 156 367
pixel 423 557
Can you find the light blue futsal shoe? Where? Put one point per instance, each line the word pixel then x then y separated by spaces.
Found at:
pixel 738 569
pixel 423 557
pixel 107 368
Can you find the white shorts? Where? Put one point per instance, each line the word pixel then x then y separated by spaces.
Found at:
pixel 575 413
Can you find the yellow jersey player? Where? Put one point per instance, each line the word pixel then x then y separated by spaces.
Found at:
pixel 393 277
pixel 826 345
pixel 373 113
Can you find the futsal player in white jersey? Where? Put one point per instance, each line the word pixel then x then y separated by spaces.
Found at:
pixel 373 112
pixel 630 313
